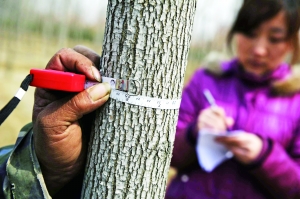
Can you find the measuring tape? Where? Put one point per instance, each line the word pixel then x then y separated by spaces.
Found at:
pixel 127 91
pixel 145 101
pixel 71 82
pixel 121 92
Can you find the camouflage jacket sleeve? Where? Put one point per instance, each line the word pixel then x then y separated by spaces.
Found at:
pixel 20 173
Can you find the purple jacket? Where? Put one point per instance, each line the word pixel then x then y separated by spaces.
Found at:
pixel 255 109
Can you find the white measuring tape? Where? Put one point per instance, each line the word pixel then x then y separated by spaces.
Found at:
pixel 121 92
pixel 145 101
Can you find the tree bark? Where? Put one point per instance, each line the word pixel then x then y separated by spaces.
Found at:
pixel 131 146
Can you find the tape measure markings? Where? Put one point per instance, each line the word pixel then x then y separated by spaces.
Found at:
pixel 119 94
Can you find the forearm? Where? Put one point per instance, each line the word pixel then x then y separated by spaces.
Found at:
pixel 56 180
pixel 59 170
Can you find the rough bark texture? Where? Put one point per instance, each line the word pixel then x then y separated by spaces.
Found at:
pixel 131 146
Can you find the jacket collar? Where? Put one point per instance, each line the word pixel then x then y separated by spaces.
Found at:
pixel 233 66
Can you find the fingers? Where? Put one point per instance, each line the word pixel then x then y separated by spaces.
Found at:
pixel 235 139
pixel 69 60
pixel 237 144
pixel 44 97
pixel 66 111
pixel 218 111
pixel 57 117
pixel 211 121
pixel 89 53
pixel 87 101
pixel 245 146
pixel 214 118
pixel 221 113
pixel 238 151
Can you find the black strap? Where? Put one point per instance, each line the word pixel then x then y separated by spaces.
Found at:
pixel 11 105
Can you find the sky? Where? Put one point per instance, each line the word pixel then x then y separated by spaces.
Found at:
pixel 210 14
pixel 213 14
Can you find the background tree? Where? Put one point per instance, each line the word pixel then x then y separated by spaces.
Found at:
pixel 130 147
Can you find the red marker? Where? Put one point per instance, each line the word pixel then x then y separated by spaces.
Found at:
pixel 59 80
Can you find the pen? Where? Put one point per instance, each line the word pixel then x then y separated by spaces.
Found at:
pixel 211 100
pixel 209 97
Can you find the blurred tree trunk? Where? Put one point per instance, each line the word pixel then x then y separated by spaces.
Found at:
pixel 130 147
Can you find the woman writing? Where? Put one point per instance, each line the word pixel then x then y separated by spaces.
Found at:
pixel 267 154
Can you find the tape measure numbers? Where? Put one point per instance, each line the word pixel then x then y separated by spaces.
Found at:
pixel 124 90
pixel 121 91
pixel 145 101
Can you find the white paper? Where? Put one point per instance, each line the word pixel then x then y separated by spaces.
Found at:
pixel 209 152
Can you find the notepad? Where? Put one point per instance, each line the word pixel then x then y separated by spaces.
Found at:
pixel 210 153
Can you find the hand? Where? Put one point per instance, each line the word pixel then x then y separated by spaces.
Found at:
pixel 60 141
pixel 245 146
pixel 214 118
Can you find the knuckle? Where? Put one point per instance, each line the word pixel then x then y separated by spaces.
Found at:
pixel 80 103
pixel 56 61
pixel 77 103
pixel 220 111
pixel 61 52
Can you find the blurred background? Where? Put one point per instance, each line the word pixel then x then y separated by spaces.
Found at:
pixel 31 31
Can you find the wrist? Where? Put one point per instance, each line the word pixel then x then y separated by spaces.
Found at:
pixel 56 171
pixel 266 148
pixel 56 177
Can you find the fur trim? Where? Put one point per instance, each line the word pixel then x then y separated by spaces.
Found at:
pixel 212 63
pixel 289 85
pixel 214 68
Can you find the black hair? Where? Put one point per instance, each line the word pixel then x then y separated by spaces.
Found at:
pixel 254 12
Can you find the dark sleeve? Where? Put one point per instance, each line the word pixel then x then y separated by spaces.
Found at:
pixel 279 170
pixel 21 176
pixel 4 155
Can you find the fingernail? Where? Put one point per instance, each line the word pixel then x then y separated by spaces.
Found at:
pixel 96 73
pixel 99 91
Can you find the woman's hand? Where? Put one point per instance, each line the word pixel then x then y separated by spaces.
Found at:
pixel 59 118
pixel 215 119
pixel 246 147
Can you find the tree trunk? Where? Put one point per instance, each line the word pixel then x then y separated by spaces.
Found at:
pixel 131 146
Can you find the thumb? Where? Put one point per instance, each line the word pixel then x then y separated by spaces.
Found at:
pixel 84 102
